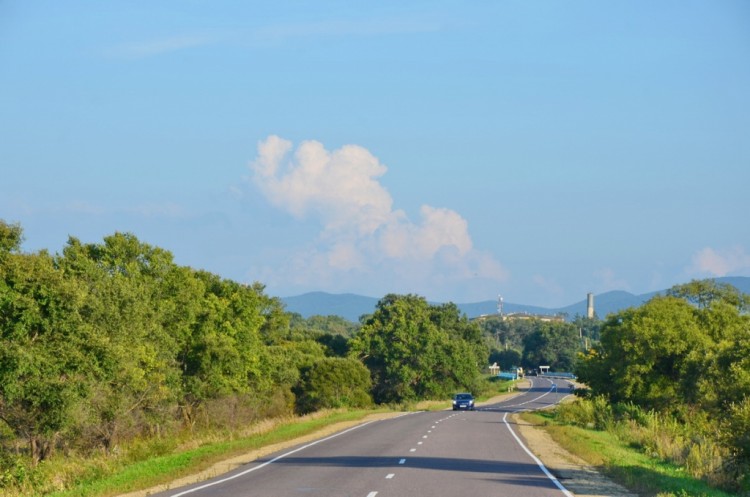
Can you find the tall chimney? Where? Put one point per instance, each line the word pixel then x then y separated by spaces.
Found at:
pixel 590 305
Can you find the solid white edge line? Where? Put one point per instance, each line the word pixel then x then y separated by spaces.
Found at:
pixel 536 460
pixel 217 482
pixel 552 388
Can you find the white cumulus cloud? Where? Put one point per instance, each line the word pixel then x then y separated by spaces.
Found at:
pixel 720 262
pixel 361 232
pixel 338 188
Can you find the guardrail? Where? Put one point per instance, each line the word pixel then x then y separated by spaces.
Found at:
pixel 566 376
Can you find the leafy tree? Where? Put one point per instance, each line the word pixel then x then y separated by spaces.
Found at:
pixel 687 353
pixel 645 353
pixel 43 360
pixel 552 344
pixel 678 349
pixel 589 327
pixel 736 435
pixel 334 382
pixel 136 379
pixel 505 359
pixel 721 370
pixel 414 350
pixel 333 332
pixel 331 325
pixel 509 334
pixel 703 293
pixel 11 236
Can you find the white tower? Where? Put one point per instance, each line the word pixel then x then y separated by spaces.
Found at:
pixel 590 306
pixel 500 305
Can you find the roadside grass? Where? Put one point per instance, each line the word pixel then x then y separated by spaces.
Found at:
pixel 145 464
pixel 110 478
pixel 622 462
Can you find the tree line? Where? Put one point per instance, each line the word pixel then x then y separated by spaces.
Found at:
pixel 684 356
pixel 108 342
pixel 530 343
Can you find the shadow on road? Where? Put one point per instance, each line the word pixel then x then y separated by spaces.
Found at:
pixel 427 463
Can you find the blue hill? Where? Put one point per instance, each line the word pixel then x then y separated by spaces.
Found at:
pixel 351 306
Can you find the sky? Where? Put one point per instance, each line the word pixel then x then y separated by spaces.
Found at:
pixel 537 150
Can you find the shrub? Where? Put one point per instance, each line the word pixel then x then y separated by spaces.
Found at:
pixel 334 382
pixel 595 413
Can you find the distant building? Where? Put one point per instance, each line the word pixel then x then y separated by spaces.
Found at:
pixel 517 316
pixel 590 305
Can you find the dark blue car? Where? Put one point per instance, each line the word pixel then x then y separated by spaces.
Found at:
pixel 463 401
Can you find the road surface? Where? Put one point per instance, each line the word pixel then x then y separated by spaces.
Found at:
pixel 440 453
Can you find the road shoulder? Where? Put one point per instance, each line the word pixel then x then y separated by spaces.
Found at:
pixel 574 473
pixel 230 464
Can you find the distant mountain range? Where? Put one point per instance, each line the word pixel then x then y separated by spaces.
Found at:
pixel 350 306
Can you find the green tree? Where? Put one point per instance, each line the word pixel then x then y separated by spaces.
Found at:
pixel 414 350
pixel 687 353
pixel 11 236
pixel 589 328
pixel 645 353
pixel 224 353
pixel 703 293
pixel 508 334
pixel 44 361
pixel 334 382
pixel 505 359
pixel 552 344
pixel 136 380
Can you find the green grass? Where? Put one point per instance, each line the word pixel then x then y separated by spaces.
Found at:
pixel 150 463
pixel 624 464
pixel 162 469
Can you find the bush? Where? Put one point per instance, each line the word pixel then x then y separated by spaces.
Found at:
pixel 595 413
pixel 334 382
pixel 689 439
pixel 736 435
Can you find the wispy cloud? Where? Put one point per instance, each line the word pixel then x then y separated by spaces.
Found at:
pixel 338 28
pixel 160 210
pixel 547 285
pixel 360 231
pixel 83 207
pixel 271 34
pixel 164 210
pixel 720 262
pixel 608 280
pixel 159 46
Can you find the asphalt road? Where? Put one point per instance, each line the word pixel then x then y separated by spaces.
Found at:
pixel 443 453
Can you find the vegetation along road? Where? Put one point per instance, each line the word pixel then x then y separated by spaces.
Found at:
pixel 121 370
pixel 423 453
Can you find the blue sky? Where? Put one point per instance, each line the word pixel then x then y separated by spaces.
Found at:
pixel 458 150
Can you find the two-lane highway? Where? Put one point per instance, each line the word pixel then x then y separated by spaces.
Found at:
pixel 442 453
